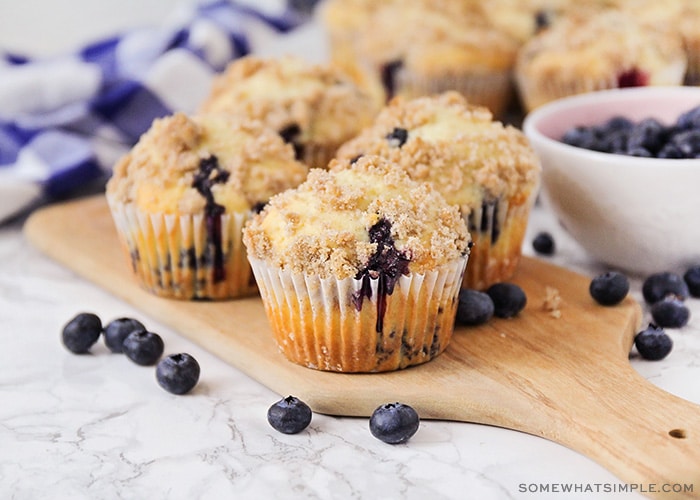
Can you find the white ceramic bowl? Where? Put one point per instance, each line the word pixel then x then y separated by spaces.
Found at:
pixel 640 215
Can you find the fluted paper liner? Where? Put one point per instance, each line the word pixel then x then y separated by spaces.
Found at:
pixel 493 90
pixel 176 255
pixel 498 231
pixel 317 323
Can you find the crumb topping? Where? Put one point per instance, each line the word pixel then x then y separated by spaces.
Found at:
pixel 323 226
pixel 465 154
pixel 162 172
pixel 434 36
pixel 321 101
pixel 552 302
pixel 599 46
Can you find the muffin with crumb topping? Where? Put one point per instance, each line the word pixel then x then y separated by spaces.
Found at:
pixel 180 197
pixel 488 170
pixel 597 49
pixel 314 107
pixel 423 47
pixel 359 268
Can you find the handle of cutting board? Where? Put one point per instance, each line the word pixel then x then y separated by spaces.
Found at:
pixel 642 434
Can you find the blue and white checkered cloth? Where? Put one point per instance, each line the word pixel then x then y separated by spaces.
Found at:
pixel 64 121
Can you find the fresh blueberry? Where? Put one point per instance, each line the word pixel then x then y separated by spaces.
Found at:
pixel 508 299
pixel 397 137
pixel 394 423
pixel 581 137
pixel 289 415
pixel 116 331
pixel 616 142
pixel 687 142
pixel 143 348
pixel 81 332
pixel 670 313
pixel 648 134
pixel 543 243
pixel 178 373
pixel 609 288
pixel 690 119
pixel 617 124
pixel 639 152
pixel 692 280
pixel 659 285
pixel 474 307
pixel 670 151
pixel 653 343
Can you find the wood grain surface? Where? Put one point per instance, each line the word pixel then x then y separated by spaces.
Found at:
pixel 566 379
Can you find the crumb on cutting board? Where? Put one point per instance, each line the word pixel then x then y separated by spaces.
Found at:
pixel 552 302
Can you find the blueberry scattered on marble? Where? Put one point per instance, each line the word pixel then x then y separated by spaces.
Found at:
pixel 394 423
pixel 543 243
pixel 117 330
pixel 178 373
pixel 658 286
pixel 645 138
pixel 474 307
pixel 609 288
pixel 670 313
pixel 508 299
pixel 653 343
pixel 81 332
pixel 289 415
pixel 143 347
pixel 692 279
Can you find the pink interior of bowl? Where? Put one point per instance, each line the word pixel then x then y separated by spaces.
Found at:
pixel 592 109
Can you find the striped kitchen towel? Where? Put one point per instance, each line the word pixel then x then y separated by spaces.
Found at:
pixel 65 120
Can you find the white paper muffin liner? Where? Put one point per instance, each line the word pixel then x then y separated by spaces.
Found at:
pixel 317 323
pixel 493 90
pixel 172 255
pixel 534 92
pixel 497 230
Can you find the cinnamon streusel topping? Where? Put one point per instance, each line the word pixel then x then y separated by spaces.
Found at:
pixel 163 172
pixel 323 226
pixel 459 148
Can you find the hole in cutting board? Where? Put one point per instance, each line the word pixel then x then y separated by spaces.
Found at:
pixel 678 433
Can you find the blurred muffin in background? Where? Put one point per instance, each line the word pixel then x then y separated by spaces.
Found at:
pixel 424 47
pixel 589 49
pixel 314 107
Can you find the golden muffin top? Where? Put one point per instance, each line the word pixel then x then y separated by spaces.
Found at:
pixel 333 223
pixel 183 162
pixel 457 147
pixel 601 45
pixel 323 104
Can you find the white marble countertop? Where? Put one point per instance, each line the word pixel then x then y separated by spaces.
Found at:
pixel 98 426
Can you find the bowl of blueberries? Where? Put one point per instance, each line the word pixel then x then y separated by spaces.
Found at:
pixel 621 171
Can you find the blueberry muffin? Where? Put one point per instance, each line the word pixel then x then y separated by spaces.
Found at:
pixel 588 50
pixel 488 170
pixel 180 197
pixel 681 15
pixel 359 268
pixel 521 19
pixel 424 47
pixel 313 107
pixel 689 28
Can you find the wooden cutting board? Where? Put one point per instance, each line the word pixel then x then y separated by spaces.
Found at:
pixel 567 379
